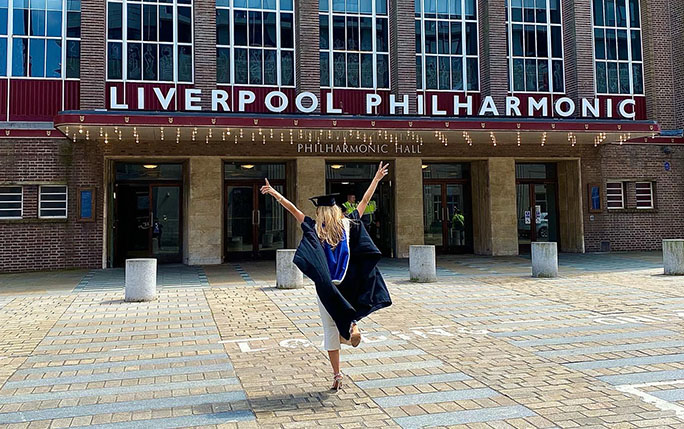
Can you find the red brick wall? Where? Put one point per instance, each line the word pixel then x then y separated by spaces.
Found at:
pixel 43 244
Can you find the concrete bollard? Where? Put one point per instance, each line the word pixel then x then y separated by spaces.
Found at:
pixel 545 259
pixel 288 276
pixel 673 257
pixel 422 264
pixel 141 279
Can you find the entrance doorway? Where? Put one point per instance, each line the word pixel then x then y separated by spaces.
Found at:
pixel 255 223
pixel 447 210
pixel 147 212
pixel 537 201
pixel 353 179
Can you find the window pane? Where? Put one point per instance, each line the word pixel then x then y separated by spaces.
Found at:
pixel 149 61
pixel 114 20
pixel 555 7
pixel 610 12
pixel 286 5
pixel 621 13
pixel 444 73
pixel 37 57
pixel 623 53
pixel 270 67
pixel 518 75
pixel 456 38
pixel 134 61
pixel 598 12
pixel 353 70
pixel 471 38
pixel 185 63
pixel 367 70
pixel 430 37
pixel 340 68
pixel 558 76
pixel 20 22
pixel 184 25
pixel 338 32
pixel 352 5
pixel 601 81
pixel 431 72
pixel 366 35
pixel 270 30
pixel 338 5
pixel 54 23
pixel 470 9
pixel 381 7
pixel 634 13
pixel 612 78
pixel 353 33
pixel 541 11
pixel 37 23
pixel 636 45
pixel 254 4
pixel 419 42
pixel 530 46
pixel 240 30
pixel 543 75
pixel 556 42
pixel 542 42
pixel 149 23
pixel 3 20
pixel 637 79
pixel 455 11
pixel 323 32
pixel 443 8
pixel 611 43
pixel 323 5
pixel 255 29
pixel 3 58
pixel 624 78
pixel 73 24
pixel 166 62
pixel 473 74
pixel 286 31
pixel 366 6
pixel 53 60
pixel 457 74
pixel 166 23
pixel 430 7
pixel 325 69
pixel 419 73
pixel 530 75
pixel 223 65
pixel 517 40
pixel 255 67
pixel 114 63
pixel 222 27
pixel 443 37
pixel 134 22
pixel 382 42
pixel 270 4
pixel 240 66
pixel 599 45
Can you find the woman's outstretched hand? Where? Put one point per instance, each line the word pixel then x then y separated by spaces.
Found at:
pixel 383 169
pixel 268 189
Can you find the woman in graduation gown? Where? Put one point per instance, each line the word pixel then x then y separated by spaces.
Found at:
pixel 338 254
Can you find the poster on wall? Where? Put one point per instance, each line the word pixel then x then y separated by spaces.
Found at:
pixel 594 194
pixel 86 204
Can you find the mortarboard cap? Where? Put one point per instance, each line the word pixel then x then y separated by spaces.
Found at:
pixel 324 200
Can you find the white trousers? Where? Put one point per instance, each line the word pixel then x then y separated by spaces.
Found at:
pixel 331 335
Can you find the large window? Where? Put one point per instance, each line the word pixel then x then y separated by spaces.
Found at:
pixel 617 47
pixel 11 202
pixel 261 42
pixel 149 40
pixel 535 46
pixel 447 45
pixel 40 38
pixel 354 43
pixel 52 202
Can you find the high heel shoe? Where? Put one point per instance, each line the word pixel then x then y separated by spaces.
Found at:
pixel 337 382
pixel 355 335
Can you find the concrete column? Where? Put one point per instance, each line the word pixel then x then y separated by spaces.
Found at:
pixel 204 214
pixel 141 280
pixel 309 182
pixel 422 264
pixel 408 203
pixel 673 257
pixel 570 206
pixel 544 259
pixel 495 223
pixel 288 276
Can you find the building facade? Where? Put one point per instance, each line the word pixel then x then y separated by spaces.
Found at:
pixel 144 128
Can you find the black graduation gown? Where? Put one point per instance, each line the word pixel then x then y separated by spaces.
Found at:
pixel 363 289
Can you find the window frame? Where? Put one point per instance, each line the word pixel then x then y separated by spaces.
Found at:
pixel 374 52
pixel 549 59
pixel 279 49
pixel 464 56
pixel 622 194
pixel 124 41
pixel 66 201
pixel 21 202
pixel 63 38
pixel 651 194
pixel 630 62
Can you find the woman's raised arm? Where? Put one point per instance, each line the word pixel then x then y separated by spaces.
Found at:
pixel 379 175
pixel 268 189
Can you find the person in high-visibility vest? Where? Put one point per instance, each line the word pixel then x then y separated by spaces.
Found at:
pixel 351 204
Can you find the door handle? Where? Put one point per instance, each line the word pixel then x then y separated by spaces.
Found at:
pixel 258 222
pixel 253 217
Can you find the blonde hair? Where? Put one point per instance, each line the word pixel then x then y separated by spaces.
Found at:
pixel 329 226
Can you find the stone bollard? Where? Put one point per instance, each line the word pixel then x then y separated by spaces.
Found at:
pixel 422 264
pixel 141 279
pixel 288 276
pixel 545 259
pixel 673 257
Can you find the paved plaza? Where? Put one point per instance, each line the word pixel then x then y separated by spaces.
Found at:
pixel 487 346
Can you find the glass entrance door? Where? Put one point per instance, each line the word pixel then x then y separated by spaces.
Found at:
pixel 147 222
pixel 446 217
pixel 537 214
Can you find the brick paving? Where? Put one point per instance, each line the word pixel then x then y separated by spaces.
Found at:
pixel 486 346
